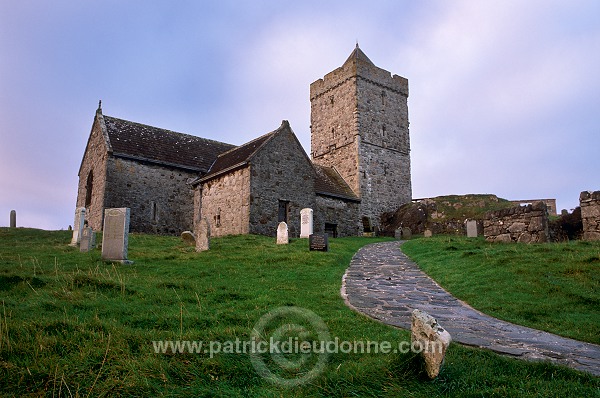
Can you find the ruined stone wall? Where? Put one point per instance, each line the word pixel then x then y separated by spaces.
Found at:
pixel 226 203
pixel 590 214
pixel 94 161
pixel 159 197
pixel 527 224
pixel 342 213
pixel 280 171
pixel 359 125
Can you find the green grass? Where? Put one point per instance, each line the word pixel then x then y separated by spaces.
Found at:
pixel 73 325
pixel 552 286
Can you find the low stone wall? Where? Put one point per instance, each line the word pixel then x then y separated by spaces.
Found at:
pixel 590 214
pixel 527 224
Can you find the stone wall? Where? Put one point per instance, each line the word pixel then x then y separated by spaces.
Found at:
pixel 527 224
pixel 280 171
pixel 159 197
pixel 93 167
pixel 550 203
pixel 590 214
pixel 226 203
pixel 359 125
pixel 343 214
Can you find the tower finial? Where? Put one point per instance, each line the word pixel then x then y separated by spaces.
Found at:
pixel 99 110
pixel 356 43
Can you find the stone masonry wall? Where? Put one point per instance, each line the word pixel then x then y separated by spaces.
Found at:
pixel 527 224
pixel 336 211
pixel 590 214
pixel 226 203
pixel 159 197
pixel 280 171
pixel 94 161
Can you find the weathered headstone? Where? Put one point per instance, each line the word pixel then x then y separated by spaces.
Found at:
pixel 13 219
pixel 318 242
pixel 282 234
pixel 431 339
pixel 398 233
pixel 406 233
pixel 78 226
pixel 202 235
pixel 88 240
pixel 471 229
pixel 427 233
pixel 115 236
pixel 188 238
pixel 306 222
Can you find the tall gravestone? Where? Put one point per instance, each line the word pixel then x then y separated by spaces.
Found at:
pixel 282 234
pixel 471 229
pixel 306 222
pixel 78 225
pixel 88 240
pixel 13 219
pixel 202 235
pixel 115 236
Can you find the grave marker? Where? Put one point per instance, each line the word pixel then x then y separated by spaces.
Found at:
pixel 427 233
pixel 306 222
pixel 282 234
pixel 318 242
pixel 115 236
pixel 202 235
pixel 88 240
pixel 78 226
pixel 13 219
pixel 188 238
pixel 471 229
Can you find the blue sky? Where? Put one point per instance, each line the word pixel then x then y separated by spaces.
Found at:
pixel 504 95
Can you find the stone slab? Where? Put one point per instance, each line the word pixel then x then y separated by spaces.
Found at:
pixel 115 236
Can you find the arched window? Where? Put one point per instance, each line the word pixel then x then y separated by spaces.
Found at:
pixel 89 186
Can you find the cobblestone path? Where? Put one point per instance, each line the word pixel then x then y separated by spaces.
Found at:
pixel 383 283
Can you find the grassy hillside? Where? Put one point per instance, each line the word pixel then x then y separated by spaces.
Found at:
pixel 73 325
pixel 551 286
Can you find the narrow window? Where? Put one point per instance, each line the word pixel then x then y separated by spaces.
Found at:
pixel 218 218
pixel 154 210
pixel 333 132
pixel 331 99
pixel 89 187
pixel 383 131
pixel 383 98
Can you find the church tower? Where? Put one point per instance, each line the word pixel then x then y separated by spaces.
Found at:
pixel 359 126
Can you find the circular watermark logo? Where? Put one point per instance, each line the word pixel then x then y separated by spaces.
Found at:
pixel 289 346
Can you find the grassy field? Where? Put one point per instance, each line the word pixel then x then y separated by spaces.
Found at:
pixel 73 325
pixel 553 287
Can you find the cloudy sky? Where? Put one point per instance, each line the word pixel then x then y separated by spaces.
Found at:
pixel 504 95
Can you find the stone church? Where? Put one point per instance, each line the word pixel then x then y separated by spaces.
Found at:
pixel 359 165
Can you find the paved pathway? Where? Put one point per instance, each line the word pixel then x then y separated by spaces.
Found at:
pixel 383 283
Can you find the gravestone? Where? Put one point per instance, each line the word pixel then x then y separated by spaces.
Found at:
pixel 202 235
pixel 88 240
pixel 306 222
pixel 115 236
pixel 318 242
pixel 13 219
pixel 428 233
pixel 188 238
pixel 282 234
pixel 78 226
pixel 471 229
pixel 398 233
pixel 406 233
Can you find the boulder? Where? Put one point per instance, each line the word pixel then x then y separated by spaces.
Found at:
pixel 432 340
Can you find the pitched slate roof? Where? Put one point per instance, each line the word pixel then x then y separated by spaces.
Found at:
pixel 138 141
pixel 239 156
pixel 329 182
